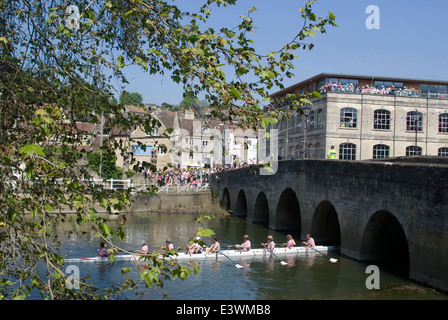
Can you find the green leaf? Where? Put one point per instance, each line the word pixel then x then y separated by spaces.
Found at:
pixel 234 92
pixel 4 40
pixel 105 229
pixel 144 65
pixel 126 270
pixel 272 54
pixel 128 14
pixel 120 233
pixel 120 62
pixel 112 257
pixel 311 33
pixel 199 52
pixel 264 122
pixel 196 269
pixel 31 149
pixel 208 232
pixel 316 94
pixel 6 160
pixel 265 74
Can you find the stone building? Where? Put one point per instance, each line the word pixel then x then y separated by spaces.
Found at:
pixel 157 144
pixel 209 142
pixel 366 117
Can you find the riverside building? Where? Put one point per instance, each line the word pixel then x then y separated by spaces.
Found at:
pixel 367 117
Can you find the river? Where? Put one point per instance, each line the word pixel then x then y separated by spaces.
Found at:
pixel 305 277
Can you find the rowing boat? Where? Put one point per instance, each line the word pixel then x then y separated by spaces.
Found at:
pixel 202 256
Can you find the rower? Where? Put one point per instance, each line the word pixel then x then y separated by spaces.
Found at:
pixel 310 242
pixel 144 249
pixel 246 244
pixel 215 247
pixel 270 245
pixel 195 247
pixel 102 251
pixel 169 245
pixel 290 243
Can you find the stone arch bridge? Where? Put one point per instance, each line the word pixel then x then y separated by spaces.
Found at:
pixel 394 210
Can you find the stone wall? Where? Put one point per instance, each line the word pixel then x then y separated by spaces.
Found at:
pixel 200 202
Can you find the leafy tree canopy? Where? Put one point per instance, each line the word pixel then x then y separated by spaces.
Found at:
pixel 60 62
pixel 131 98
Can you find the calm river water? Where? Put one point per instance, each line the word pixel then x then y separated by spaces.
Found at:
pixel 305 277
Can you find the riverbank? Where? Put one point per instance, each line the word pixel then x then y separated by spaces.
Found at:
pixel 194 202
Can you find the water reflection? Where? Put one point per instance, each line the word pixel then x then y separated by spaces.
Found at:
pixel 304 277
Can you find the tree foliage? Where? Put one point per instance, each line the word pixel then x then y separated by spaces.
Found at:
pixel 131 98
pixel 58 68
pixel 105 162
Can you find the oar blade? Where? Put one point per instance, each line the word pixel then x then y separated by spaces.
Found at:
pixel 239 266
pixel 333 260
pixel 284 263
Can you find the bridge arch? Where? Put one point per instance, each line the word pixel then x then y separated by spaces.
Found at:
pixel 261 209
pixel 384 240
pixel 287 215
pixel 225 200
pixel 325 227
pixel 241 204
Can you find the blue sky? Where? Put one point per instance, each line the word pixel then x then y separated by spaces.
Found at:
pixel 412 41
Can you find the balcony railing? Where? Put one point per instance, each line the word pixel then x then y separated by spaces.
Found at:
pixel 402 92
pixel 406 92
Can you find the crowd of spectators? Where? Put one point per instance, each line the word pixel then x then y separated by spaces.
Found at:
pixel 191 177
pixel 355 88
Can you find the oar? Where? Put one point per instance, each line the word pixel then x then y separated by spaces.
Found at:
pixel 331 259
pixel 281 261
pixel 236 264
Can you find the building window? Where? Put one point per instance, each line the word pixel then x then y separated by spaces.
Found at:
pixel 443 122
pixel 348 117
pixel 413 151
pixel 312 121
pixel 381 120
pixel 154 132
pixel 414 121
pixel 347 151
pixel 388 84
pixel 443 152
pixel 434 90
pixel 380 151
pixel 298 123
pixel 319 119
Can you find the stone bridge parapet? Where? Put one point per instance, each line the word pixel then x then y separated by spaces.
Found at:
pixel 391 210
